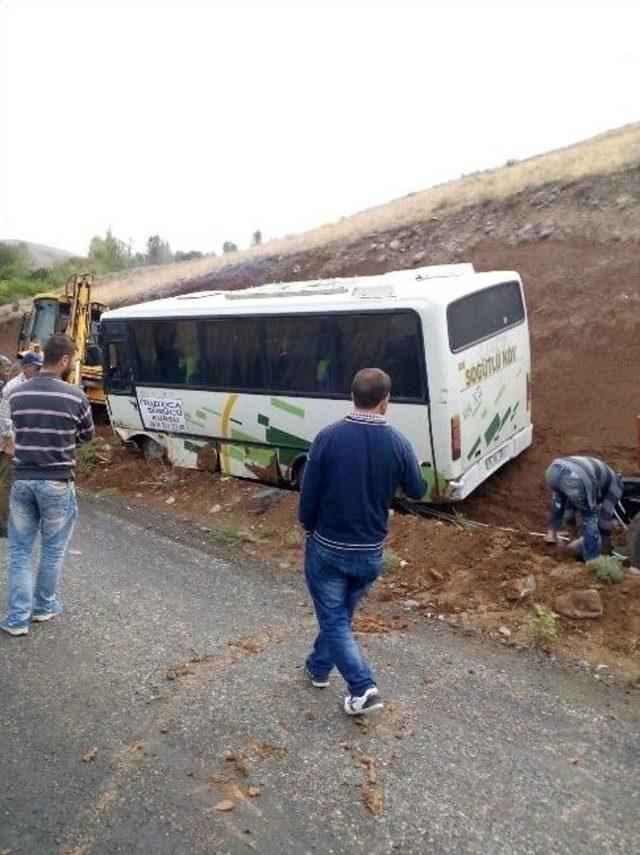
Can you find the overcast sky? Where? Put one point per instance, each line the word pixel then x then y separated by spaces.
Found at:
pixel 203 121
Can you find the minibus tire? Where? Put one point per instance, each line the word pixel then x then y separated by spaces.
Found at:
pixel 298 472
pixel 151 450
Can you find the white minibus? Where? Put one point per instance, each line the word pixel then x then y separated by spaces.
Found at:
pixel 242 381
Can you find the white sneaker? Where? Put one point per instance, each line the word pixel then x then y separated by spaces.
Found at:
pixel 363 704
pixel 318 682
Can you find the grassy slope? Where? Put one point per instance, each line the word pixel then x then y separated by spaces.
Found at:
pixel 601 155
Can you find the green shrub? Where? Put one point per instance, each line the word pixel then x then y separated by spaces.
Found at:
pixel 390 562
pixel 230 534
pixel 463 521
pixel 87 454
pixel 543 623
pixel 607 568
pixel 294 538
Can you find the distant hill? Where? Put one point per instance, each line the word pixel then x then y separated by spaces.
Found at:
pixel 42 255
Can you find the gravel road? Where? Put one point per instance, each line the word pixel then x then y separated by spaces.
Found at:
pixel 175 673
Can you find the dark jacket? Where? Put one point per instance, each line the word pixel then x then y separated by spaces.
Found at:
pixel 354 469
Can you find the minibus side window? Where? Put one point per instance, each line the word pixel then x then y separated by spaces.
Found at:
pixel 232 353
pixel 390 341
pixel 298 354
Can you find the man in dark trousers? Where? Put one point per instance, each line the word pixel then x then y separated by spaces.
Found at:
pixel 589 486
pixel 354 469
pixel 50 417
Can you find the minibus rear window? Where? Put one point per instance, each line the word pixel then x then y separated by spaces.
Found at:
pixel 483 314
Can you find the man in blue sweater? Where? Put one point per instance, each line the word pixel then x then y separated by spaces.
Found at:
pixel 353 471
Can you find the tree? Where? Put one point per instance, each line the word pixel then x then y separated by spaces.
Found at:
pixel 256 238
pixel 228 246
pixel 110 253
pixel 187 256
pixel 158 250
pixel 14 259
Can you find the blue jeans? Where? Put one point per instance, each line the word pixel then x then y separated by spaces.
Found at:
pixel 338 580
pixel 48 507
pixel 569 495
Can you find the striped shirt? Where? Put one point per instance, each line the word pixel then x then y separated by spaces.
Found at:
pixel 50 417
pixel 603 486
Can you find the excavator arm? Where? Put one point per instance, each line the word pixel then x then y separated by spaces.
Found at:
pixel 78 290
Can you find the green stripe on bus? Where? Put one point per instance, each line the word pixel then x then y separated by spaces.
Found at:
pixel 474 448
pixel 287 407
pixel 505 417
pixel 500 393
pixel 193 421
pixel 286 456
pixel 483 413
pixel 201 415
pixel 493 428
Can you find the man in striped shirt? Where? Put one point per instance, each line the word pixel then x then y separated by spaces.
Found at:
pixel 587 485
pixel 50 417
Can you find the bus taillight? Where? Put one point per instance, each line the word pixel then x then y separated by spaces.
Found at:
pixel 528 391
pixel 456 438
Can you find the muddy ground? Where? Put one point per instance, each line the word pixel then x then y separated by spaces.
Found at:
pixel 440 572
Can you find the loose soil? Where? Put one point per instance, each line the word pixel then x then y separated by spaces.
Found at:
pixel 444 572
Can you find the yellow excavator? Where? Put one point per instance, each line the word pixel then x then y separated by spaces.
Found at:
pixel 75 314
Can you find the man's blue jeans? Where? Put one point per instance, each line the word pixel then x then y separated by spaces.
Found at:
pixel 48 507
pixel 338 580
pixel 569 494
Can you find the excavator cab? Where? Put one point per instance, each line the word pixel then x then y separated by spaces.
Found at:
pixel 47 317
pixel 76 315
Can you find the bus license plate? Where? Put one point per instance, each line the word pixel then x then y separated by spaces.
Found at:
pixel 494 459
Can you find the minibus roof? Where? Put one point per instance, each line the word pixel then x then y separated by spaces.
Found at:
pixel 422 287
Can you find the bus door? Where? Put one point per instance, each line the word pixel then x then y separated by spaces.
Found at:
pixel 118 376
